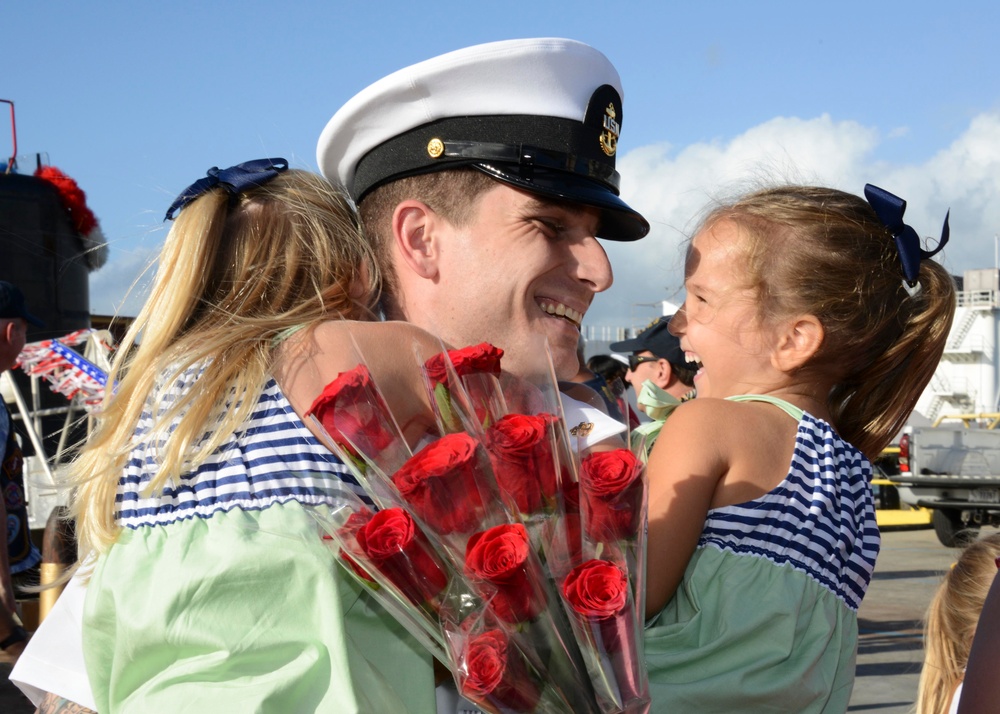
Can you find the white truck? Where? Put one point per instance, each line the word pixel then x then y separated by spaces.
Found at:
pixel 954 469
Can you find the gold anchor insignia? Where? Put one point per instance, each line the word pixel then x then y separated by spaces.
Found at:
pixel 612 129
pixel 435 147
pixel 582 429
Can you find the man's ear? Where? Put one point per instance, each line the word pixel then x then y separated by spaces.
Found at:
pixel 413 224
pixel 798 342
pixel 663 373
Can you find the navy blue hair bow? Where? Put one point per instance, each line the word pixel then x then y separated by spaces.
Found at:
pixel 889 210
pixel 235 180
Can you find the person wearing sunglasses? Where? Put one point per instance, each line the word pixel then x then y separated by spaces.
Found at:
pixel 660 375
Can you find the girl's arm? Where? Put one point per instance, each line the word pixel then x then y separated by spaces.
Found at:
pixel 684 469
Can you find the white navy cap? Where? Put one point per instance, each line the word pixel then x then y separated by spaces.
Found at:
pixel 543 115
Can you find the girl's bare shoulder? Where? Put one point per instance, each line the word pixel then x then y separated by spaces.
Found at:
pixel 345 335
pixel 730 427
pixel 705 411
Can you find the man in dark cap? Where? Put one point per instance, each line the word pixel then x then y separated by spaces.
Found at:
pixel 485 177
pixel 19 554
pixel 660 374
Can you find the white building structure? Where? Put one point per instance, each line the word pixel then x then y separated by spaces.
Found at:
pixel 968 378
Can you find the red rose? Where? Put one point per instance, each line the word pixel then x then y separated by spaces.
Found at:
pixel 348 534
pixel 398 549
pixel 493 672
pixel 611 492
pixel 353 414
pixel 441 482
pixel 477 368
pixel 597 593
pixel 478 359
pixel 520 448
pixel 596 589
pixel 501 557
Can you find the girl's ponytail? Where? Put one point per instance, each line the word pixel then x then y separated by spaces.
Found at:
pixel 872 406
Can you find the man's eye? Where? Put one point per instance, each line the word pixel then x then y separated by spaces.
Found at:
pixel 550 227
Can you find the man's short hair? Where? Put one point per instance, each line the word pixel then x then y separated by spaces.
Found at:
pixel 453 194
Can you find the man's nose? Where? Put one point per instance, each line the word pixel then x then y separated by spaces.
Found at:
pixel 593 266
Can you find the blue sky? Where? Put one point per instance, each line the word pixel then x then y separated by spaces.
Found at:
pixel 135 100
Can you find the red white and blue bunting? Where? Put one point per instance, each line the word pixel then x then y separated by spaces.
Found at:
pixel 67 371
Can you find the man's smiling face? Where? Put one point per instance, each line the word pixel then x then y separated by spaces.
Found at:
pixel 521 270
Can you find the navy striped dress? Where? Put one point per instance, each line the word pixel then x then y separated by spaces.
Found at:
pixel 765 618
pixel 272 459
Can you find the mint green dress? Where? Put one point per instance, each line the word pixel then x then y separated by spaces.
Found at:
pixel 220 595
pixel 765 617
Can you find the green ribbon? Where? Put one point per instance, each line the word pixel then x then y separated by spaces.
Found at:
pixel 658 404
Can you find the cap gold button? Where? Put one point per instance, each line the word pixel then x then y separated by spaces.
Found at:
pixel 435 148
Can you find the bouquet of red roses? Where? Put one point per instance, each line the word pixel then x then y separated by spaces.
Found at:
pixel 478 534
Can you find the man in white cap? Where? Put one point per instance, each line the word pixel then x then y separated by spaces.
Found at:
pixel 484 177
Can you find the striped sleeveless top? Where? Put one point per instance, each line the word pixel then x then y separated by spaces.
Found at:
pixel 819 520
pixel 273 458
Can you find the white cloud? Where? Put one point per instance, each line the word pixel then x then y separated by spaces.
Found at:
pixel 671 187
pixel 122 285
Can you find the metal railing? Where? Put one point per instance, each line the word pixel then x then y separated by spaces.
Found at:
pixel 978 298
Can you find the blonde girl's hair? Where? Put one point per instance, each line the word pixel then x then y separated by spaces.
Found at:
pixel 951 623
pixel 823 252
pixel 234 275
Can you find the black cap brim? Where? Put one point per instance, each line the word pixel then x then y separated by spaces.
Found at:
pixel 563 160
pixel 619 221
pixel 633 345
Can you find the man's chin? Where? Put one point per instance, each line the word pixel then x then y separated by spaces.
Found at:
pixel 566 365
pixel 531 362
pixel 563 351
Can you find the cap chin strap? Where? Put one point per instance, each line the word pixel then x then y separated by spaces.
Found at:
pixel 527 157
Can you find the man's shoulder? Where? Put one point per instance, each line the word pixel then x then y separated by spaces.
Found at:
pixel 588 423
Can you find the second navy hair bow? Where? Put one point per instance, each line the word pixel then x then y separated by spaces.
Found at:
pixel 889 210
pixel 235 180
